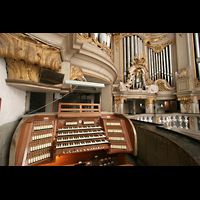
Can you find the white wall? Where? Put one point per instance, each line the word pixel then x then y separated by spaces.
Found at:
pixel 12 99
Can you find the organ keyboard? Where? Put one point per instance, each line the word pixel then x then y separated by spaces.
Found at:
pixel 54 139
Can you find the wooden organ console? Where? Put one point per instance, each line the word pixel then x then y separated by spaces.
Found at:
pixel 79 134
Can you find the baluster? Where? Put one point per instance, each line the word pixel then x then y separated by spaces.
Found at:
pixel 164 120
pixel 170 121
pixel 160 121
pixel 186 122
pixel 174 120
pixel 180 122
pixel 150 119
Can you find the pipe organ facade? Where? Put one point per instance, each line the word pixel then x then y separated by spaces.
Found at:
pixel 160 65
pixel 132 46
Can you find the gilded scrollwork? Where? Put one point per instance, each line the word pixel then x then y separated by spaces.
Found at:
pixel 21 71
pixel 163 85
pixel 76 73
pixel 186 102
pixel 184 73
pixel 25 56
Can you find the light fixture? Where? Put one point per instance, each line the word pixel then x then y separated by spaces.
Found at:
pixel 83 83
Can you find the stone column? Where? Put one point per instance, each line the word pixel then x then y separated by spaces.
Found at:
pixel 65 69
pixel 106 98
pixel 49 98
pixel 119 104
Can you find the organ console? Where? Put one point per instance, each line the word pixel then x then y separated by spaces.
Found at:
pixel 80 135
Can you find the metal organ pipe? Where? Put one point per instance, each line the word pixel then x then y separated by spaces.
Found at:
pixel 161 59
pixel 196 39
pixel 159 74
pixel 149 54
pixel 157 71
pixel 124 59
pixel 96 35
pixel 128 52
pixel 170 64
pixel 165 72
pixel 108 38
pixel 152 68
pixel 102 37
pixel 167 56
pixel 136 46
pixel 139 46
pixel 132 47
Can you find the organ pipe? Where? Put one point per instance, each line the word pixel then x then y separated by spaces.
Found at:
pixel 124 59
pixel 102 37
pixel 108 38
pixel 196 38
pixel 157 70
pixel 149 55
pixel 161 58
pixel 132 46
pixel 170 64
pixel 136 46
pixel 128 52
pixel 168 78
pixel 96 35
pixel 159 74
pixel 165 72
pixel 154 60
pixel 152 68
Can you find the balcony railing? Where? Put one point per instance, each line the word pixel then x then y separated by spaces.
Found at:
pixel 100 40
pixel 187 121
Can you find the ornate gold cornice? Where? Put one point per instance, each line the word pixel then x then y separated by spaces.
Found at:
pixel 130 34
pixel 159 47
pixel 149 40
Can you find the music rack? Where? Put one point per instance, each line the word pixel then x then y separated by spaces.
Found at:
pixel 64 110
pixel 77 132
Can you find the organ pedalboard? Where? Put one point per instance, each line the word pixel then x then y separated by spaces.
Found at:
pixel 53 140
